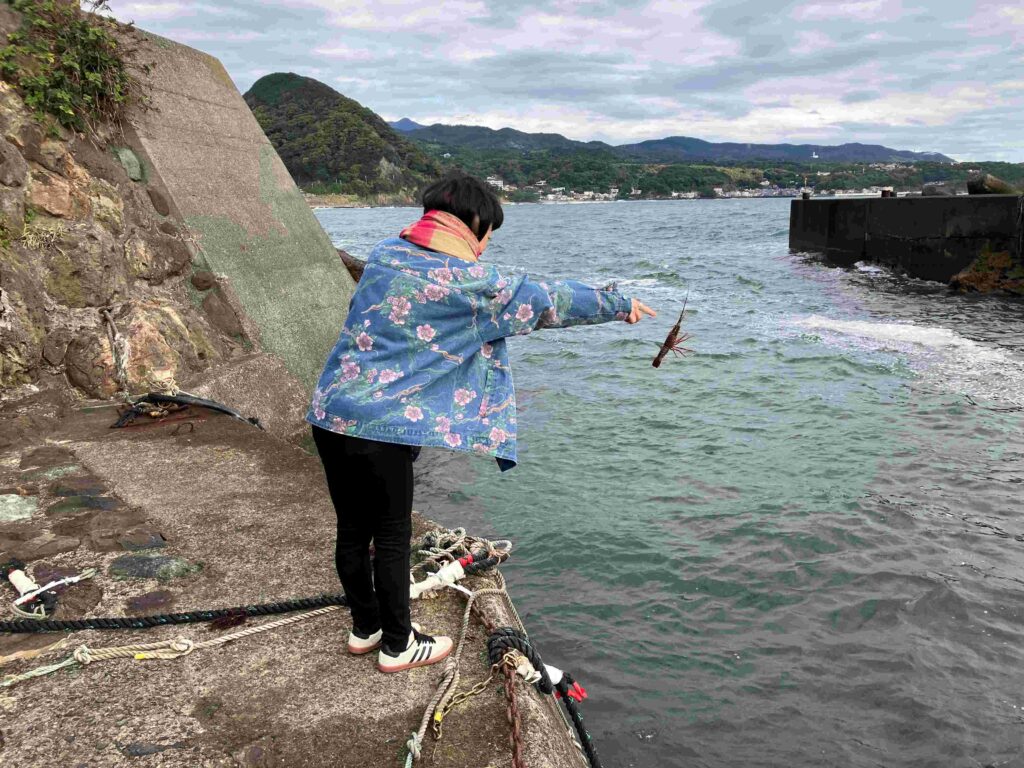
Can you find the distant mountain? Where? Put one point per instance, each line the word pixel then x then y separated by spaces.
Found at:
pixel 478 137
pixel 405 125
pixel 329 140
pixel 674 149
pixel 683 148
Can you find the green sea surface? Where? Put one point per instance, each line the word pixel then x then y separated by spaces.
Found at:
pixel 800 545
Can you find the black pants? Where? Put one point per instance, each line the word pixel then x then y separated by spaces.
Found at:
pixel 371 487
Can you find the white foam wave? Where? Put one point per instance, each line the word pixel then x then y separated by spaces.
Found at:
pixel 949 360
pixel 639 282
pixel 899 335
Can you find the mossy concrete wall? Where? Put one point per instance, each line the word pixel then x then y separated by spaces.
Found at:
pixel 933 238
pixel 246 218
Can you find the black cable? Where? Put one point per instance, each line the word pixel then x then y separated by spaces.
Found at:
pixel 25 626
pixel 573 709
pixel 155 398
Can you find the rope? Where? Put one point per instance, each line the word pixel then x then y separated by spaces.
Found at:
pixel 164 649
pixel 505 640
pixel 161 620
pixel 441 544
pixel 445 544
pixel 119 351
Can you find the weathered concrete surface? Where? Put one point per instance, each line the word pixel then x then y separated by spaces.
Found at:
pixel 259 385
pixel 248 220
pixel 250 516
pixel 932 238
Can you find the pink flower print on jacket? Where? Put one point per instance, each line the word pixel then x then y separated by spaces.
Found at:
pixel 498 435
pixel 477 271
pixel 349 371
pixel 342 425
pixel 364 342
pixel 388 375
pixel 435 292
pixel 453 439
pixel 318 411
pixel 425 332
pixel 413 413
pixel 524 313
pixel 400 307
pixel 464 396
pixel 443 275
pixel 442 424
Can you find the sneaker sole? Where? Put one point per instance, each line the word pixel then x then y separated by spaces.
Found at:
pixel 356 650
pixel 423 663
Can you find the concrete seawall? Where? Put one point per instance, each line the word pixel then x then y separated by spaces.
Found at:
pixel 932 238
pixel 247 219
pixel 204 513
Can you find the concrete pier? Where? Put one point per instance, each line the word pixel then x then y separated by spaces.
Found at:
pixel 932 238
pixel 201 513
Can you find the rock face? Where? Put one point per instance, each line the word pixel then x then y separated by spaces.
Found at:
pixel 987 184
pixel 85 227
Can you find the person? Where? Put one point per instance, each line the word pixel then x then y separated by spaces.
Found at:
pixel 421 361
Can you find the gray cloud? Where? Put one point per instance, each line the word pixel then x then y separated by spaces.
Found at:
pixel 915 74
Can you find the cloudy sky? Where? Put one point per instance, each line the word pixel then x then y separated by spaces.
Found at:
pixel 939 75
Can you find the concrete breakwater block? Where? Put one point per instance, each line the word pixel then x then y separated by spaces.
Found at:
pixel 239 203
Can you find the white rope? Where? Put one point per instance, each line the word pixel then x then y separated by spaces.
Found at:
pixel 164 649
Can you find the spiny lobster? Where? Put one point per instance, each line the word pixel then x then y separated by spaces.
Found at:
pixel 675 339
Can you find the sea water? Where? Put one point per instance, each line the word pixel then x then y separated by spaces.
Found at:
pixel 800 546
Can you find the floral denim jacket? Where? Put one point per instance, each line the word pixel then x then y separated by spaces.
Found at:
pixel 422 357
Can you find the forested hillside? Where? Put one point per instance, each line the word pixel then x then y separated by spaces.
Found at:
pixel 330 143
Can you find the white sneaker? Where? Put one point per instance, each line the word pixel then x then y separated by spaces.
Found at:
pixel 420 651
pixel 358 644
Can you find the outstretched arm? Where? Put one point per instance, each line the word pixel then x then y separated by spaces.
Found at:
pixel 520 305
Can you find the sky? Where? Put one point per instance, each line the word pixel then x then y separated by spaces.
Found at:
pixel 925 75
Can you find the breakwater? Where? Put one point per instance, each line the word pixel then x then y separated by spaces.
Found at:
pixel 932 238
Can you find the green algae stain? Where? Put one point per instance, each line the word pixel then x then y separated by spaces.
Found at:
pixel 290 280
pixel 56 472
pixel 62 282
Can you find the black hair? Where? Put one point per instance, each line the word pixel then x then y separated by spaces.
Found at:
pixel 466 197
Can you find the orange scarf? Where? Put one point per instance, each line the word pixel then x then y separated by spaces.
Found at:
pixel 444 232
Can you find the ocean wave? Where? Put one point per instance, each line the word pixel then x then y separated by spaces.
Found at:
pixel 947 359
